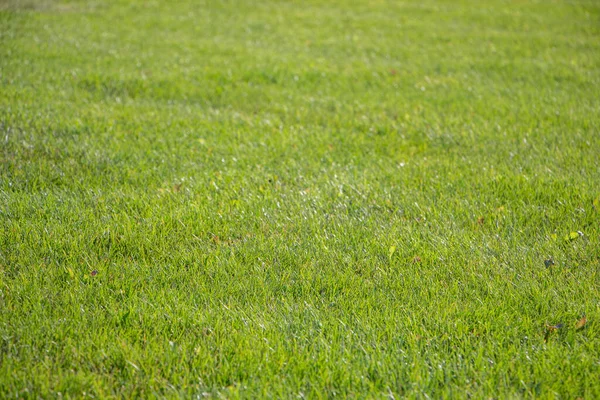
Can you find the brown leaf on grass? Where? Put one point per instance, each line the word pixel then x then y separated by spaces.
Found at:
pixel 550 329
pixel 177 187
pixel 94 273
pixel 480 220
pixel 581 323
pixel 416 259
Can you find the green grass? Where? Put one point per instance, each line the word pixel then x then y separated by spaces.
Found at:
pixel 299 200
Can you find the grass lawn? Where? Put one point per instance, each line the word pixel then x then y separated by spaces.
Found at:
pixel 277 199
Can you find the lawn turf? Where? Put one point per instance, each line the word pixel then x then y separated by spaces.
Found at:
pixel 287 200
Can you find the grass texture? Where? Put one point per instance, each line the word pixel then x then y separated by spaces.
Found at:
pixel 362 199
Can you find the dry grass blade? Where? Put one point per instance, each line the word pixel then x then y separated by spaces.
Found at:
pixel 581 323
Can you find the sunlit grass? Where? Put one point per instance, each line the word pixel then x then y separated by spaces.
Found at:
pixel 362 199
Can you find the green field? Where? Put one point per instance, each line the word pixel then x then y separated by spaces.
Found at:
pixel 275 199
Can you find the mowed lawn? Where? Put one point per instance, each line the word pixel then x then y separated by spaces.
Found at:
pixel 362 199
